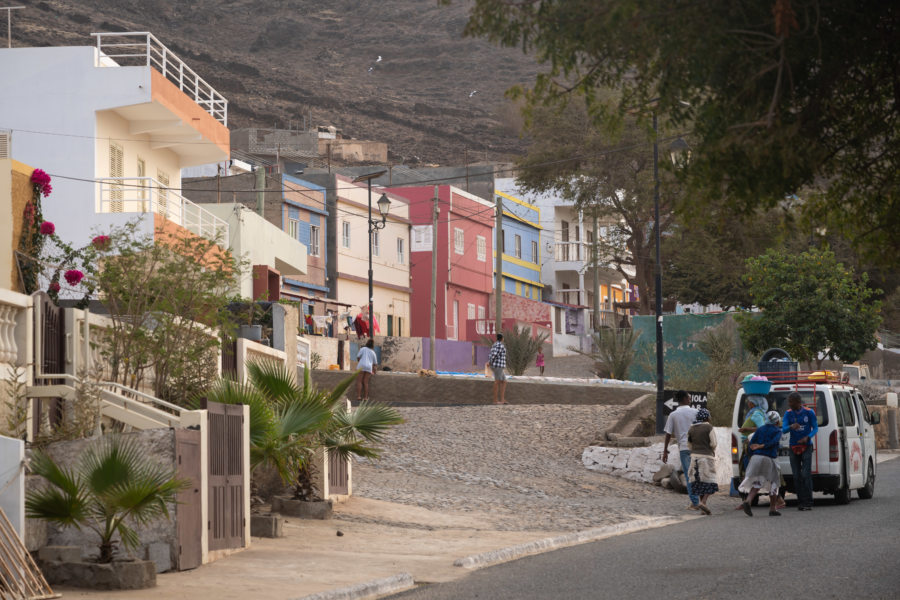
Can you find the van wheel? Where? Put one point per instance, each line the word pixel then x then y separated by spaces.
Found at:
pixel 868 490
pixel 842 494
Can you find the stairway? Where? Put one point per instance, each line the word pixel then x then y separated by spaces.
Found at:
pixel 118 402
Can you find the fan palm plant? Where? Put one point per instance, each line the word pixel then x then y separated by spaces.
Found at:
pixel 290 421
pixel 113 485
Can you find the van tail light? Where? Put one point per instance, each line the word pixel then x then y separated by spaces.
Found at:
pixel 833 452
pixel 734 449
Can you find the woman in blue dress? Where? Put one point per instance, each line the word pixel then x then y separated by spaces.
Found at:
pixel 762 471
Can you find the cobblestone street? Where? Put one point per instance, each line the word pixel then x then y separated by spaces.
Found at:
pixel 517 466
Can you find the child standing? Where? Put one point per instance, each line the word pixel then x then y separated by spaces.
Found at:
pixel 540 360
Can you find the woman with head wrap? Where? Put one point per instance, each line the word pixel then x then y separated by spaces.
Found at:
pixel 762 471
pixel 702 442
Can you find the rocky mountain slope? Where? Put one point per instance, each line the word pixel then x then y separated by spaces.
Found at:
pixel 279 60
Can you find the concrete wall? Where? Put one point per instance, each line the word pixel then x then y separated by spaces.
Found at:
pixel 327 348
pixel 12 482
pixel 450 356
pixel 414 390
pixel 403 354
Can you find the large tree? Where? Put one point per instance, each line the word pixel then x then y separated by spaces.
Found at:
pixel 606 173
pixel 811 305
pixel 782 97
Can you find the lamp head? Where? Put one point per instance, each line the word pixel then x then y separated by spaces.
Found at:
pixel 384 205
pixel 680 152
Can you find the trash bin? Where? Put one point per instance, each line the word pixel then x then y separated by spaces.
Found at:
pixel 776 364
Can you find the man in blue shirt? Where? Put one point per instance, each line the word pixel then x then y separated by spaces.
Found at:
pixel 802 425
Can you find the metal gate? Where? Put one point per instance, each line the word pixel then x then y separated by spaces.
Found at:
pixel 189 512
pixel 338 474
pixel 226 475
pixel 52 359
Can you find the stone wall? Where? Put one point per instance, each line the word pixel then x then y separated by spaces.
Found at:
pixel 414 390
pixel 159 540
pixel 640 464
pixel 399 353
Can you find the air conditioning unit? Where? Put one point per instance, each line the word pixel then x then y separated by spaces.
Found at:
pixel 5 144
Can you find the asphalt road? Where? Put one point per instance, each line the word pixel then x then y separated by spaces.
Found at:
pixel 833 551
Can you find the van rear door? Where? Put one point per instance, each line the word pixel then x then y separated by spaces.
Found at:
pixel 848 424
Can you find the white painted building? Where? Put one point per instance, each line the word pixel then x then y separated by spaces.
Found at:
pixel 114 124
pixel 566 270
pixel 258 242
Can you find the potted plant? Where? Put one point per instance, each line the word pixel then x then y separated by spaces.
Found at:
pixel 290 423
pixel 113 487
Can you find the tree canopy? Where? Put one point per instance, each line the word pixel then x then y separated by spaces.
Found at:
pixel 782 98
pixel 812 306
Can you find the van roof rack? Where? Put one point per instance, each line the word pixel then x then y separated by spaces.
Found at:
pixel 802 377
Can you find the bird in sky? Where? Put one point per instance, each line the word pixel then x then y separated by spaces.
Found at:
pixel 472 93
pixel 378 59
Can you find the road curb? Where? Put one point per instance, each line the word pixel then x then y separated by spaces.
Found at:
pixel 369 589
pixel 485 559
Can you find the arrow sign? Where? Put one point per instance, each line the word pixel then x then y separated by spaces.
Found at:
pixel 670 404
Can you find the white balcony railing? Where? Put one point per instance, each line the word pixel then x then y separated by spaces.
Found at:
pixel 146 195
pixel 572 251
pixel 138 48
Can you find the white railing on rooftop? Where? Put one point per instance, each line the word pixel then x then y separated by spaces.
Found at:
pixel 146 195
pixel 141 48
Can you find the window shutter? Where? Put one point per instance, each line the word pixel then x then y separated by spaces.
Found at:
pixel 116 170
pixel 5 144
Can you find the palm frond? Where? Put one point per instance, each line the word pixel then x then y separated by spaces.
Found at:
pixel 226 391
pixel 273 380
pixel 340 389
pixel 370 420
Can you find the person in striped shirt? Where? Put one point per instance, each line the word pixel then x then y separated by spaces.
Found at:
pixel 497 362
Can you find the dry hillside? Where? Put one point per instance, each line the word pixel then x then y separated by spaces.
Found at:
pixel 278 59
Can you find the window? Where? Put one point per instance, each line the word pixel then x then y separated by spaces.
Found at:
pixel 162 202
pixel 293 226
pixel 116 169
pixel 518 246
pixel 590 237
pixel 481 248
pixel 565 230
pixel 376 247
pixel 401 251
pixel 314 240
pixel 534 252
pixel 345 234
pixel 470 311
pixel 480 325
pixel 459 240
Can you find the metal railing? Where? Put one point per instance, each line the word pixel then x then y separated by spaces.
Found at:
pixel 145 194
pixel 141 48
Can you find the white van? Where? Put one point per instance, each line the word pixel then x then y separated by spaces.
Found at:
pixel 844 448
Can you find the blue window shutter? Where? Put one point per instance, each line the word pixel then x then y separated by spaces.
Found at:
pixel 314 219
pixel 303 231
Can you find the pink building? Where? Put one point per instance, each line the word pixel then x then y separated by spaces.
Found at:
pixel 464 261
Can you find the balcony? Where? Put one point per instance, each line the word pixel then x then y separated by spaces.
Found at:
pixel 578 252
pixel 146 195
pixel 141 48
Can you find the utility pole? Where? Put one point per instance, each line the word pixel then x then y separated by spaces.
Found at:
pixel 434 247
pixel 260 190
pixel 498 266
pixel 594 260
pixel 9 10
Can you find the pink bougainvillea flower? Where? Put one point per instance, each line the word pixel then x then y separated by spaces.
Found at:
pixel 73 276
pixel 53 287
pixel 101 242
pixel 29 213
pixel 41 181
pixel 48 228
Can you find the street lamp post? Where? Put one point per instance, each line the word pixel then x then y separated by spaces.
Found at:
pixel 384 205
pixel 680 153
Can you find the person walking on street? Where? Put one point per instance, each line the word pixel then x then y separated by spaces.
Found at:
pixel 677 426
pixel 803 426
pixel 702 442
pixel 497 362
pixel 366 361
pixel 762 471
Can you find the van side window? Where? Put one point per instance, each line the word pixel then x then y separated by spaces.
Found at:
pixel 838 408
pixel 843 399
pixel 863 409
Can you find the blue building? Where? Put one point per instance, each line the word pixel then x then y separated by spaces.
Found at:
pixel 520 240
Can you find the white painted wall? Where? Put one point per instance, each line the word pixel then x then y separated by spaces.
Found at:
pixel 259 243
pixel 50 100
pixel 12 482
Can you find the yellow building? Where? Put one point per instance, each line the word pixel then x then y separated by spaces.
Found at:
pixel 390 256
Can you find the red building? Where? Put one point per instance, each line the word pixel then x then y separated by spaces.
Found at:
pixel 464 261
